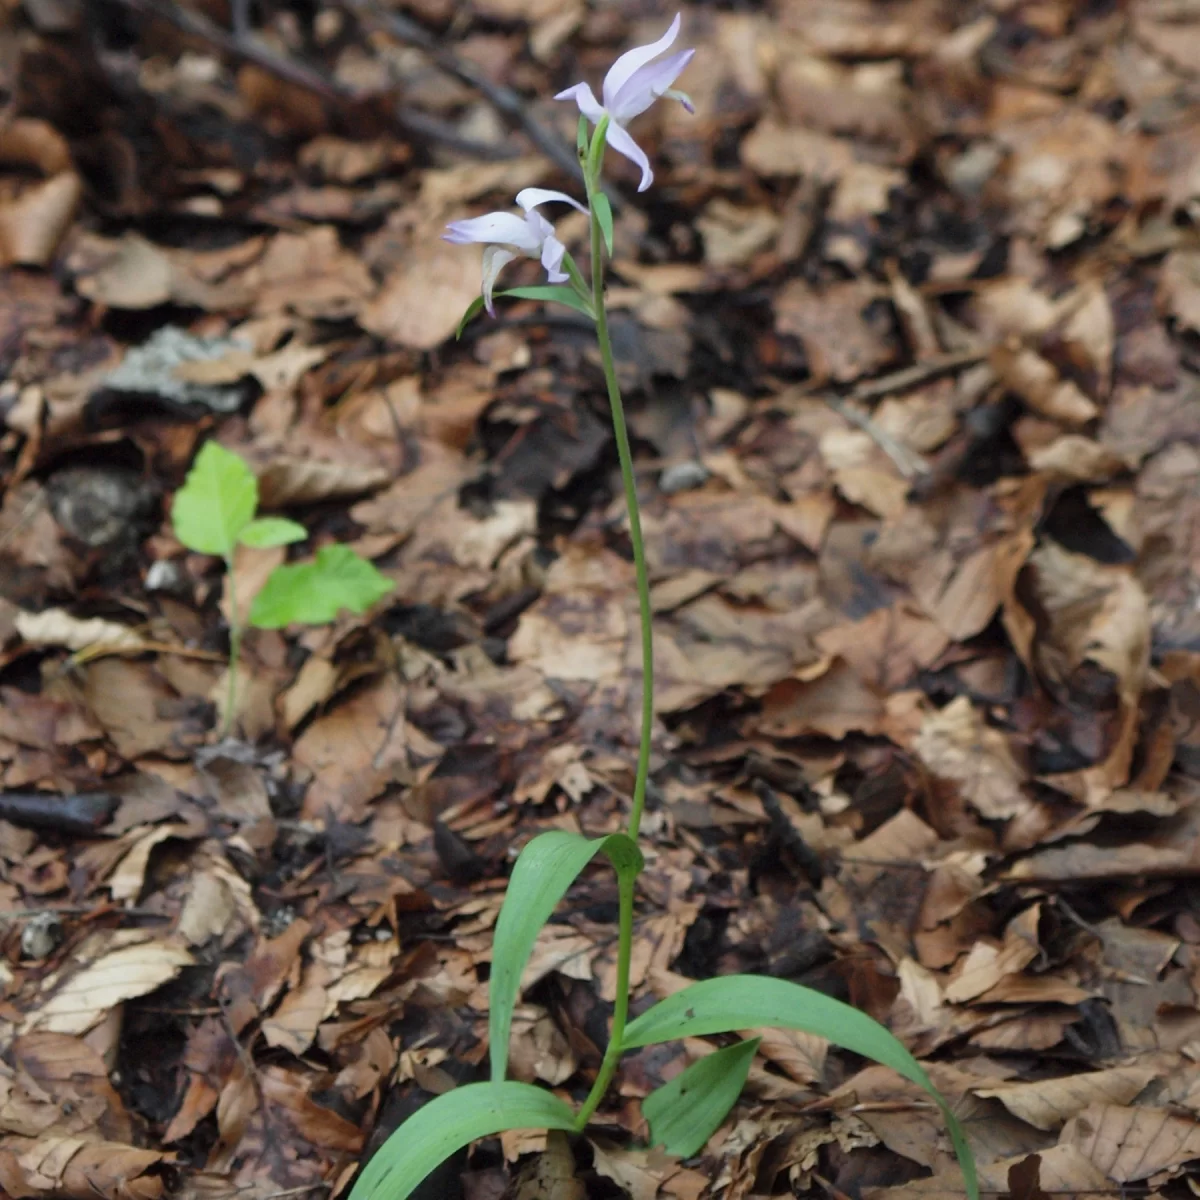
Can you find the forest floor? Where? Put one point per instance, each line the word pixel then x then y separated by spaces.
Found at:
pixel 909 329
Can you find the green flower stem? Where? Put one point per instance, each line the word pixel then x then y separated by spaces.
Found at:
pixel 235 648
pixel 625 883
pixel 577 280
pixel 612 1055
pixel 631 502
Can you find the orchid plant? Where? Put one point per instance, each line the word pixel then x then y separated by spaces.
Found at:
pixel 683 1113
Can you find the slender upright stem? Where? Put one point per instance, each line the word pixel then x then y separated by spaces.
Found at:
pixel 635 528
pixel 235 648
pixel 625 881
pixel 612 1055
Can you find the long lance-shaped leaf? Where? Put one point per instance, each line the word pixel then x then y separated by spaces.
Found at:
pixel 751 1001
pixel 448 1123
pixel 685 1112
pixel 544 871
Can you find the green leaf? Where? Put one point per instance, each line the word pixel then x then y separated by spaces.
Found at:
pixel 603 210
pixel 448 1123
pixel 314 592
pixel 685 1112
pixel 473 310
pixel 217 501
pixel 271 531
pixel 543 872
pixel 749 1001
pixel 581 137
pixel 557 292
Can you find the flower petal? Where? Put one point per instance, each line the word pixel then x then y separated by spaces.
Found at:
pixel 552 255
pixel 629 62
pixel 494 259
pixel 620 140
pixel 583 95
pixel 498 227
pixel 646 85
pixel 531 197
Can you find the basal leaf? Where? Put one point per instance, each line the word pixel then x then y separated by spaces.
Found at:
pixel 603 210
pixel 749 1001
pixel 447 1124
pixel 543 872
pixel 314 592
pixel 686 1111
pixel 272 531
pixel 216 503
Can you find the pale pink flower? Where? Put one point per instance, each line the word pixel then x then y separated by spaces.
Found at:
pixel 507 236
pixel 632 84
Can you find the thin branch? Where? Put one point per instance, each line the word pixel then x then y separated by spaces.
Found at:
pixel 251 50
pixel 504 100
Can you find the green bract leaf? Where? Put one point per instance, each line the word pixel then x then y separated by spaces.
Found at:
pixel 685 1112
pixel 314 592
pixel 603 210
pixel 216 503
pixel 272 531
pixel 447 1124
pixel 544 870
pixel 556 292
pixel 749 1001
pixel 473 310
pixel 581 137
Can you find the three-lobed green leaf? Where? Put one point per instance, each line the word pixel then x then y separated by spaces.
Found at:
pixel 448 1123
pixel 749 1001
pixel 216 503
pixel 687 1110
pixel 543 872
pixel 314 592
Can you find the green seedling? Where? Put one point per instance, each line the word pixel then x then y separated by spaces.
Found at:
pixel 215 513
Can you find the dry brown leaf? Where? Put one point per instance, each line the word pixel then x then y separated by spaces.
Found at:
pixel 957 745
pixel 113 970
pixel 773 149
pixel 360 748
pixel 57 627
pixel 422 301
pixel 316 1124
pixel 1049 1103
pixel 311 274
pixel 127 699
pixel 133 273
pixel 66 1166
pixel 1129 1144
pixel 286 480
pixel 843 337
pixel 834 703
pixel 863 473
pixel 1179 288
pixel 1036 381
pixel 33 226
pixel 988 963
pixel 1079 459
pixel 1062 1169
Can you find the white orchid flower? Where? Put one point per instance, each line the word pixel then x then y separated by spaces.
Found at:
pixel 507 236
pixel 632 84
